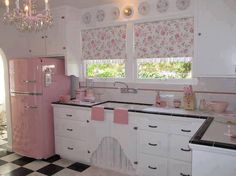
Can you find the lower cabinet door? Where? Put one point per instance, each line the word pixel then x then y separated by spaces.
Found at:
pixel 179 148
pixel 74 150
pixel 179 168
pixel 152 166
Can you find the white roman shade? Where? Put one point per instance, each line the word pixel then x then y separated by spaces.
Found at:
pixel 104 43
pixel 164 39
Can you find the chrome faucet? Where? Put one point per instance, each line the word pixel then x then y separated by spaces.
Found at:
pixel 125 89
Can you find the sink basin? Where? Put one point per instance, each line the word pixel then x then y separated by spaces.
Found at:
pixel 131 106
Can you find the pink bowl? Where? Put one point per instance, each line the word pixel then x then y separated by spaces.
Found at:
pixel 217 106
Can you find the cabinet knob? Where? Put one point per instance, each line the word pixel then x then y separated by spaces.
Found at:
pixel 185 150
pixel 64 48
pixel 199 34
pixel 30 51
pixel 69 129
pixel 63 17
pixel 186 131
pixel 135 128
pixel 184 174
pixel 153 168
pixel 70 148
pixel 151 126
pixel 87 121
pixel 42 37
pixel 136 162
pixel 89 151
pixel 153 145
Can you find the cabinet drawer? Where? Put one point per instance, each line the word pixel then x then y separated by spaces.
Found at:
pixel 184 128
pixel 71 129
pixel 154 125
pixel 179 148
pixel 152 166
pixel 178 168
pixel 71 149
pixel 72 114
pixel 153 143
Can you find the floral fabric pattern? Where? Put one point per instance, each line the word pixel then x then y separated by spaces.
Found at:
pixel 104 43
pixel 165 39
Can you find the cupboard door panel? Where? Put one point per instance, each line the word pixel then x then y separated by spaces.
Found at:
pixel 215 39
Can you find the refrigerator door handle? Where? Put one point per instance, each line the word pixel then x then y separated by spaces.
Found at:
pixel 29 81
pixel 25 93
pixel 31 107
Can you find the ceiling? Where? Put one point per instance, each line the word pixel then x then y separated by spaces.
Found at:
pixel 75 3
pixel 82 3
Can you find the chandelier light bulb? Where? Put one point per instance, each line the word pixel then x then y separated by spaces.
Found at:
pixel 7 3
pixel 28 18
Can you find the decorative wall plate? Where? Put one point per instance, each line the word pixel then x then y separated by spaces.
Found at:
pixel 100 15
pixel 86 18
pixel 162 6
pixel 143 8
pixel 183 4
pixel 115 13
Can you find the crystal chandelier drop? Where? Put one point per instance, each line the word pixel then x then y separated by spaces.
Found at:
pixel 25 16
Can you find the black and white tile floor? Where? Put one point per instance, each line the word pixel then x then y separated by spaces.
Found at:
pixel 12 164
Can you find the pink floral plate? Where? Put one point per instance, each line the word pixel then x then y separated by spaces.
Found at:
pixel 162 6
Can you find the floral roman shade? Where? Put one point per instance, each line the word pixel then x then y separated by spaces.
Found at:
pixel 165 39
pixel 104 43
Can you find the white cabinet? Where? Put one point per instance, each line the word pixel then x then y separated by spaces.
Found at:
pixel 36 44
pixel 163 144
pixel 154 144
pixel 13 43
pixel 215 52
pixel 152 166
pixel 61 39
pixel 179 148
pixel 179 168
pixel 71 127
pixel 126 135
pixel 209 160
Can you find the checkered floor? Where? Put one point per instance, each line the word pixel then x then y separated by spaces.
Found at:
pixel 12 164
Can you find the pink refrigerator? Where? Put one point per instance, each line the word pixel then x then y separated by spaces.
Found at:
pixel 34 84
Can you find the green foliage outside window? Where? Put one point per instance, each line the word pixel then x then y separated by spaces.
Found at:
pixel 106 70
pixel 164 70
pixel 146 70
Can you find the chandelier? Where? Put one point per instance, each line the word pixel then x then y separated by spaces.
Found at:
pixel 25 16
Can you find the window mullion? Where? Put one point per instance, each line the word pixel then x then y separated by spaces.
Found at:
pixel 130 64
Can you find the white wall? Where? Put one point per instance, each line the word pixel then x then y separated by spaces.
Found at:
pixel 2 83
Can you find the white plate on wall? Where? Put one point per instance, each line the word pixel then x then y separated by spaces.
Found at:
pixel 115 13
pixel 162 6
pixel 183 4
pixel 86 18
pixel 144 8
pixel 100 15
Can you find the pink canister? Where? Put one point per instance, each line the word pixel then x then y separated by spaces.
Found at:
pixel 80 94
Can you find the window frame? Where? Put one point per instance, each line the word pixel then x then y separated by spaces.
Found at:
pixel 104 79
pixel 131 71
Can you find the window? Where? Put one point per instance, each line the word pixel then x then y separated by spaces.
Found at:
pixel 164 49
pixel 104 52
pixel 105 68
pixel 167 68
